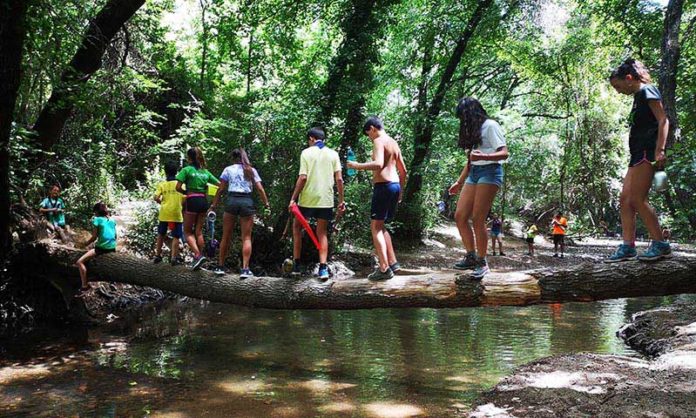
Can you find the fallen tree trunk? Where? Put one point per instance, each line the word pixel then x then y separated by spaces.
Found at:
pixel 440 289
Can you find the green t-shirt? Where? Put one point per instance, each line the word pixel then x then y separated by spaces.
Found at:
pixel 106 232
pixel 55 218
pixel 196 179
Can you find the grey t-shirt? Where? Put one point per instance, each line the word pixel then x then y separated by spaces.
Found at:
pixel 236 182
pixel 492 138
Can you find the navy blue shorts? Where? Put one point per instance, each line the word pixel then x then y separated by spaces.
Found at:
pixel 385 198
pixel 196 204
pixel 317 213
pixel 177 228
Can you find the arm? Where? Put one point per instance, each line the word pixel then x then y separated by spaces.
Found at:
pixel 262 192
pixel 457 186
pixel 299 185
pixel 662 129
pixel 220 191
pixel 338 176
pixel 95 234
pixel 180 187
pixel 158 195
pixel 500 154
pixel 377 159
pixel 403 173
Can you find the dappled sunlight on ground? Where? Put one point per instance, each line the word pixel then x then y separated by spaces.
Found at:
pixel 392 410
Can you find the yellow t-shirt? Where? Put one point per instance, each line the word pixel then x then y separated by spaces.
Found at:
pixel 319 165
pixel 172 202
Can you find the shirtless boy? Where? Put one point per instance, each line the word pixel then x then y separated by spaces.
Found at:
pixel 389 178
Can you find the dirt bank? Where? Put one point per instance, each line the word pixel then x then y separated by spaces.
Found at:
pixel 609 386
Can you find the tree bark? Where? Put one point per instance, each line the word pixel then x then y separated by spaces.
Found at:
pixel 12 33
pixel 86 61
pixel 669 64
pixel 442 289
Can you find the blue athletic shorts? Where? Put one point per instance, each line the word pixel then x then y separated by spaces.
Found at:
pixel 177 228
pixel 385 198
pixel 486 174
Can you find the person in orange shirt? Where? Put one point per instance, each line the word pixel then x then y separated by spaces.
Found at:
pixel 559 225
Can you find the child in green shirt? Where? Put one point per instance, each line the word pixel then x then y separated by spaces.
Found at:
pixel 104 233
pixel 53 207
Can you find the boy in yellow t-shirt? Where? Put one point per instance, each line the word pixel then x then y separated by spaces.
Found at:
pixel 170 213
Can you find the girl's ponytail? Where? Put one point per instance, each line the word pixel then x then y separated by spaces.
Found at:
pixel 196 157
pixel 240 155
pixel 635 69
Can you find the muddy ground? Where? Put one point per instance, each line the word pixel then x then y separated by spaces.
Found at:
pixel 585 385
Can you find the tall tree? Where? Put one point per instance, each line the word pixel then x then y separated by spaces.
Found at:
pixel 670 52
pixel 12 33
pixel 86 61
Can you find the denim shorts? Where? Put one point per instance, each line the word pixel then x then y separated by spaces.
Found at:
pixel 240 204
pixel 486 174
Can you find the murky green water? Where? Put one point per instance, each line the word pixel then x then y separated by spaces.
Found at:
pixel 218 360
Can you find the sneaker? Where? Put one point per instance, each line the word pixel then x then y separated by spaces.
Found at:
pixel 245 274
pixel 197 262
pixel 467 263
pixel 555 255
pixel 480 271
pixel 324 273
pixel 493 253
pixel 395 267
pixel 296 270
pixel 625 252
pixel 502 254
pixel 157 259
pixel 656 251
pixel 219 270
pixel 176 261
pixel 381 275
pixel 562 256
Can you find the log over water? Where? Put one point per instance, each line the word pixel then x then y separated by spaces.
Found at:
pixel 439 289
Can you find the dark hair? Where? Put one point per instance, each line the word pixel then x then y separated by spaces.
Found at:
pixel 316 133
pixel 196 156
pixel 170 168
pixel 559 213
pixel 631 67
pixel 240 155
pixel 471 117
pixel 100 209
pixel 373 121
pixel 53 186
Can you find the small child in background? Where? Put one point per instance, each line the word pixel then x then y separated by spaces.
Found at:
pixel 53 207
pixel 170 214
pixel 104 233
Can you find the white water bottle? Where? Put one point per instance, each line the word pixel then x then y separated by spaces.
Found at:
pixel 659 182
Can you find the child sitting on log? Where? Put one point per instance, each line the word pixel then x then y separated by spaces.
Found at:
pixel 53 207
pixel 104 233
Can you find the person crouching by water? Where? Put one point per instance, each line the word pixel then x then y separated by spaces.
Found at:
pixel 238 180
pixel 104 233
pixel 196 179
pixel 389 178
pixel 170 214
pixel 484 142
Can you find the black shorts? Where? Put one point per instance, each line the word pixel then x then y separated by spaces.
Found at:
pixel 177 228
pixel 385 198
pixel 317 213
pixel 240 204
pixel 558 238
pixel 196 204
pixel 530 240
pixel 101 251
pixel 644 156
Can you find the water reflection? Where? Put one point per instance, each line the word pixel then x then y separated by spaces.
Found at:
pixel 219 360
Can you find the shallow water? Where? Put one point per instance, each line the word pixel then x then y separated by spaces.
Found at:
pixel 204 359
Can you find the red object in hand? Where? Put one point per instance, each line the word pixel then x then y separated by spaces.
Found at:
pixel 296 212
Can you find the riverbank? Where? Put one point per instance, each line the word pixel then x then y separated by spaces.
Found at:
pixel 581 385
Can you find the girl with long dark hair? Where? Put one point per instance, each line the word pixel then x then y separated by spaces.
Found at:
pixel 196 178
pixel 484 143
pixel 238 180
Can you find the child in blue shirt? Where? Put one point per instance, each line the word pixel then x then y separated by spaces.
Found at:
pixel 104 233
pixel 53 207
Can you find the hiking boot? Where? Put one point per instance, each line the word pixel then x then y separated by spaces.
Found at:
pixel 625 252
pixel 245 274
pixel 395 267
pixel 157 259
pixel 467 263
pixel 381 275
pixel 656 251
pixel 324 273
pixel 219 270
pixel 197 262
pixel 481 270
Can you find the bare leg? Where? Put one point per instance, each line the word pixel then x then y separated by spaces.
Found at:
pixel 227 229
pixel 640 186
pixel 175 248
pixel 485 193
pixel 83 268
pixel 465 206
pixel 323 237
pixel 200 241
pixel 189 232
pixel 246 224
pixel 296 239
pixel 391 254
pixel 380 243
pixel 500 244
pixel 158 245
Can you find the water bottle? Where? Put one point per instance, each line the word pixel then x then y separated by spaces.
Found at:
pixel 350 156
pixel 659 182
